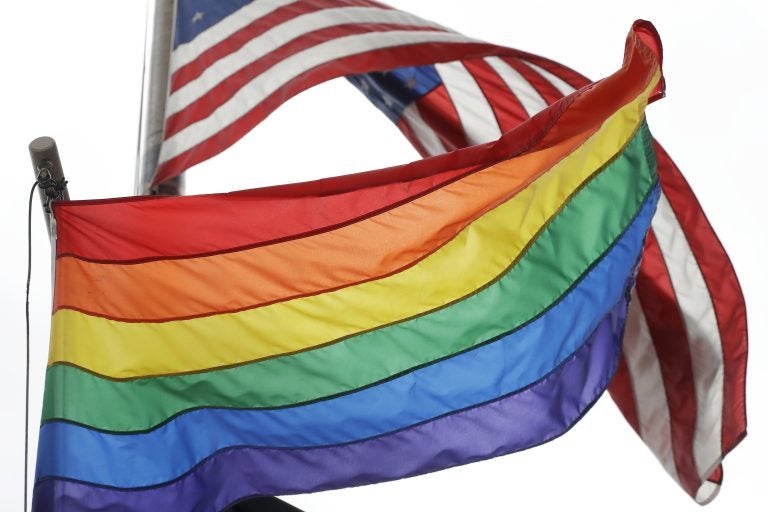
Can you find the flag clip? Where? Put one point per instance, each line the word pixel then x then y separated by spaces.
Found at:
pixel 53 188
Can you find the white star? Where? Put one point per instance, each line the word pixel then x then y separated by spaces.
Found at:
pixel 198 16
pixel 365 86
pixel 411 83
pixel 388 101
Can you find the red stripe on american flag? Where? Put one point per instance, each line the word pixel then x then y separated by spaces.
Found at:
pixel 724 290
pixel 622 392
pixel 717 475
pixel 406 129
pixel 438 111
pixel 541 84
pixel 566 74
pixel 506 107
pixel 216 96
pixel 383 58
pixel 234 42
pixel 659 302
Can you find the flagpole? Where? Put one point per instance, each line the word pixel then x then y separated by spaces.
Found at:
pixel 161 16
pixel 51 186
pixel 157 53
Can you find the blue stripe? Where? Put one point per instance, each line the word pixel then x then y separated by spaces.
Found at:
pixel 459 438
pixel 392 91
pixel 195 16
pixel 483 374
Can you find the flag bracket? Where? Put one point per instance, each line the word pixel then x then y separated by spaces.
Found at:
pixel 46 165
pixel 54 189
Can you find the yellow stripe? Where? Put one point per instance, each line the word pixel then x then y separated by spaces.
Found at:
pixel 476 256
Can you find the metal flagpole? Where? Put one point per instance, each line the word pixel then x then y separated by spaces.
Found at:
pixel 161 15
pixel 157 54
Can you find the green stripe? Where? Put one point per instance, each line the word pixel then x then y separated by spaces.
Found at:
pixel 575 237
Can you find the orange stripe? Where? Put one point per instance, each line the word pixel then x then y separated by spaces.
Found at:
pixel 369 249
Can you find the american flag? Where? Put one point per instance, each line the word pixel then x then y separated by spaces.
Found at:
pixel 681 381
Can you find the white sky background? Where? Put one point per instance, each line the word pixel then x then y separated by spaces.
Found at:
pixel 73 70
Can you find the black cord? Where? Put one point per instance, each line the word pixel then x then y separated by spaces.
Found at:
pixel 26 409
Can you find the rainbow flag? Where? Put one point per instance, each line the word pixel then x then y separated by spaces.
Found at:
pixel 350 330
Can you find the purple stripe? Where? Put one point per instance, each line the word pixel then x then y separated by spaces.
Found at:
pixel 527 418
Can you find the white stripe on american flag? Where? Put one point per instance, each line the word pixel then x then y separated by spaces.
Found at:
pixel 475 113
pixel 707 492
pixel 529 97
pixel 276 37
pixel 255 91
pixel 703 335
pixel 187 52
pixel 648 384
pixel 426 135
pixel 558 83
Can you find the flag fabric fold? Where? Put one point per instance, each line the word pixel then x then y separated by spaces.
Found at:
pixel 373 327
pixel 447 92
